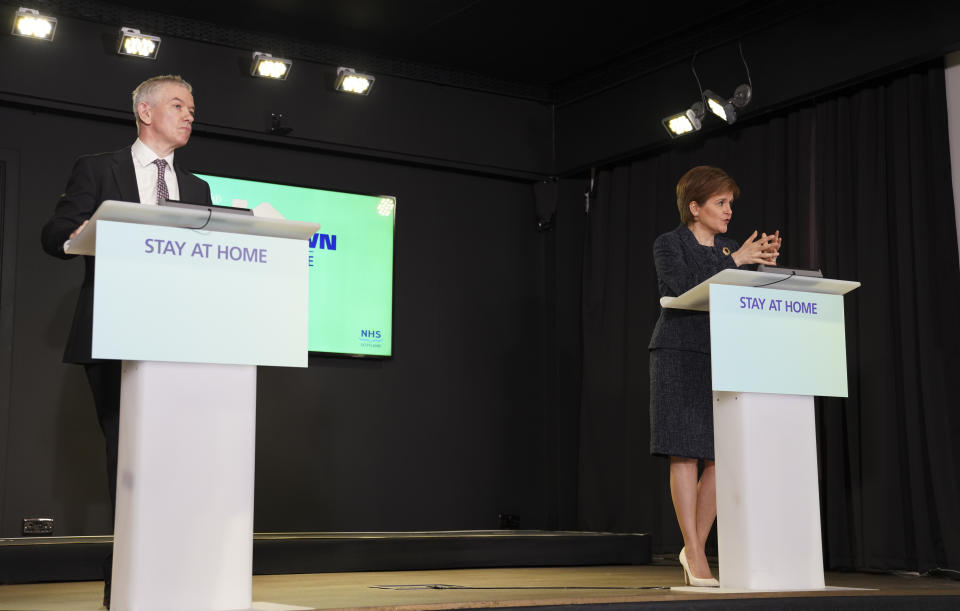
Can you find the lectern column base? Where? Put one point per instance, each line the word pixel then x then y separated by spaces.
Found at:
pixel 768 498
pixel 183 536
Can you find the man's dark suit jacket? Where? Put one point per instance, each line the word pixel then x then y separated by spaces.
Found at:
pixel 96 178
pixel 682 263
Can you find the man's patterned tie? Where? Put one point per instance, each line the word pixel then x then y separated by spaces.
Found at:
pixel 162 192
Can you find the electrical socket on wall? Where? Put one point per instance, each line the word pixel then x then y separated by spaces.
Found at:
pixel 38 526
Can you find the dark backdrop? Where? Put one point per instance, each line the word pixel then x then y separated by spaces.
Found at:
pixel 860 186
pixel 445 435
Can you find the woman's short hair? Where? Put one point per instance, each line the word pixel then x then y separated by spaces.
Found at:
pixel 700 184
pixel 146 91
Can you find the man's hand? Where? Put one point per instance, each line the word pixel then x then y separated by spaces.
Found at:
pixel 764 249
pixel 84 224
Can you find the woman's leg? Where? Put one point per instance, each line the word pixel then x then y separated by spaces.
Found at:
pixel 706 502
pixel 685 490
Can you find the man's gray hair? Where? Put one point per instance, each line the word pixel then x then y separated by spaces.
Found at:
pixel 146 91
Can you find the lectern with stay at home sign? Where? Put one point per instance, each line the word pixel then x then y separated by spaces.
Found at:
pixel 192 300
pixel 777 339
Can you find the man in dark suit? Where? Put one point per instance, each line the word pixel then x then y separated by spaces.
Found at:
pixel 144 172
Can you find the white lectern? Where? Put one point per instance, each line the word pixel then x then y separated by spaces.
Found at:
pixel 776 341
pixel 191 301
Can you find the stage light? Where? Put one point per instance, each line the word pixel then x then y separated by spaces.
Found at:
pixel 386 206
pixel 685 122
pixel 681 124
pixel 268 66
pixel 726 109
pixel 351 81
pixel 720 107
pixel 133 43
pixel 29 23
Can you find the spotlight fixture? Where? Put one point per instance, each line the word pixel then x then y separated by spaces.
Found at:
pixel 267 66
pixel 720 107
pixel 29 23
pixel 135 44
pixel 727 109
pixel 690 120
pixel 351 81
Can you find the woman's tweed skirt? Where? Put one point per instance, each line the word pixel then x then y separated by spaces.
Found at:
pixel 681 404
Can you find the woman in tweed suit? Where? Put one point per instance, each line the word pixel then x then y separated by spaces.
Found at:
pixel 681 406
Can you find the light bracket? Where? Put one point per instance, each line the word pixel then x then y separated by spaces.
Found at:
pixel 742 95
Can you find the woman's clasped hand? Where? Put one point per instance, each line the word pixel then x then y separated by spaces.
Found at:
pixel 764 249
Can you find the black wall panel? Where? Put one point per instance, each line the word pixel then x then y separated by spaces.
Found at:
pixel 445 435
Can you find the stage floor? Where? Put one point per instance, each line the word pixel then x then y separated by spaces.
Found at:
pixel 626 586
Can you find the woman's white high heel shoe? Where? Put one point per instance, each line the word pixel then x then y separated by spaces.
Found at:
pixel 688 577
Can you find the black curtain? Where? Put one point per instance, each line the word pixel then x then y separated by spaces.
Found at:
pixel 859 185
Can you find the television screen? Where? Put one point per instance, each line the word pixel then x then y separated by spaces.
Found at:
pixel 350 259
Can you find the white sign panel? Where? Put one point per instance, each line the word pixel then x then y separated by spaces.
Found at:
pixel 775 341
pixel 171 294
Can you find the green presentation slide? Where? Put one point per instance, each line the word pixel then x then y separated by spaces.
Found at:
pixel 350 259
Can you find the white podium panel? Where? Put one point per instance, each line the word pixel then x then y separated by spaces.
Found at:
pixel 172 294
pixel 768 340
pixel 768 499
pixel 184 517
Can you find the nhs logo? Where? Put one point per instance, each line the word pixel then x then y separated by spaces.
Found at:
pixel 371 335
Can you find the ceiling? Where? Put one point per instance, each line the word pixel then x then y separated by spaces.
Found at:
pixel 544 44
